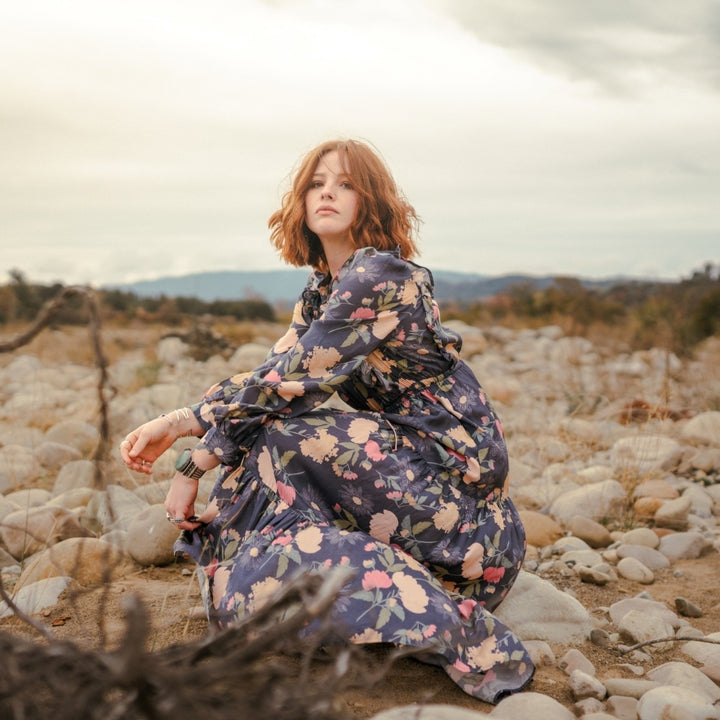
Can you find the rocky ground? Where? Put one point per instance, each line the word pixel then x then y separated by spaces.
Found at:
pixel 615 465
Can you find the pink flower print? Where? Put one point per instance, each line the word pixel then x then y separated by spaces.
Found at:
pixel 362 313
pixel 429 631
pixel 466 607
pixel 286 492
pixel 372 450
pixel 282 540
pixel 273 376
pixel 376 579
pixel 349 475
pixel 494 574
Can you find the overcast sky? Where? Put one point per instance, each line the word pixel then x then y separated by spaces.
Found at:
pixel 143 138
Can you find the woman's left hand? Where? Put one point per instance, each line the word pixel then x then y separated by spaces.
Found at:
pixel 144 445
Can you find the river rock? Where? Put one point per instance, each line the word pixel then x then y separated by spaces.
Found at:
pixel 115 508
pixel 53 455
pixel 637 627
pixel 429 712
pixel 650 558
pixel 77 434
pixel 18 467
pixel 36 597
pixel 593 533
pixel 584 685
pixel 683 545
pixel 641 536
pixel 529 705
pixel 632 569
pixel 87 560
pixel 536 610
pixel 25 532
pixel 705 653
pixel 150 537
pixel 599 500
pixel 673 514
pixel 684 675
pixel 75 474
pixel 669 703
pixel 641 454
pixel 704 428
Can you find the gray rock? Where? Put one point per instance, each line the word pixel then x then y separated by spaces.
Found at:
pixel 636 627
pixel 683 545
pixel 704 653
pixel 593 575
pixel 536 610
pixel 675 703
pixel 644 606
pixel 115 508
pixel 575 558
pixel 150 537
pixel 540 653
pixel 28 498
pixel 34 598
pixel 75 474
pixel 18 467
pixel 650 558
pixel 622 708
pixel 77 434
pixel 53 455
pixel 686 608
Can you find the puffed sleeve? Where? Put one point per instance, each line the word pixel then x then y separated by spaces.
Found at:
pixel 363 310
pixel 224 391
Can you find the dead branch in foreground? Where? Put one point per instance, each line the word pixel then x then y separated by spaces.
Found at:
pixel 258 668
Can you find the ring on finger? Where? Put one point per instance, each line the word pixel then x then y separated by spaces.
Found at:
pixel 174 520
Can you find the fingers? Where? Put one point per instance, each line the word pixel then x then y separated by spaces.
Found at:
pixel 129 452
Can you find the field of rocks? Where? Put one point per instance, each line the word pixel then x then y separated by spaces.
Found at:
pixel 615 466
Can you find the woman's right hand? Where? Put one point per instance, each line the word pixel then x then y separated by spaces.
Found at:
pixel 144 445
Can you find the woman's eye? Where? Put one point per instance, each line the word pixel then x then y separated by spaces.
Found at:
pixel 347 185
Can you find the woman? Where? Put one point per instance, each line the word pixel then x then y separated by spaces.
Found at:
pixel 407 489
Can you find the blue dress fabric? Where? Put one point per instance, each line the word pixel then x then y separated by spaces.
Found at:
pixel 405 491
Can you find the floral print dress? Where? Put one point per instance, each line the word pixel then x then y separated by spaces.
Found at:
pixel 406 490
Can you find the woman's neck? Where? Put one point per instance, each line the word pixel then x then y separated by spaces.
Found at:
pixel 336 253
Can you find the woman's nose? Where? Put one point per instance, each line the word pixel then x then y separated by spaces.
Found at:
pixel 327 193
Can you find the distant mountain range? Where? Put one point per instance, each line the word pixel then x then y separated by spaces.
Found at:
pixel 285 285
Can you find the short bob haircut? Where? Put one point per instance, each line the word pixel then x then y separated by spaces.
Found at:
pixel 384 219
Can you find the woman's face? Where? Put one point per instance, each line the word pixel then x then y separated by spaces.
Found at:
pixel 331 202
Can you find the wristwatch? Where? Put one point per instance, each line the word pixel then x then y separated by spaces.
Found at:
pixel 185 466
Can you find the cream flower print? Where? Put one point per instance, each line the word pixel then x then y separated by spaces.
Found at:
pixel 409 293
pixel 262 591
pixel 265 469
pixel 472 566
pixel 320 360
pixel 460 435
pixel 287 341
pixel 360 430
pixel 309 540
pixel 387 321
pixel 446 517
pixel 321 447
pixel 383 525
pixel 290 389
pixel 368 635
pixel 412 595
pixel 485 656
pixel 219 585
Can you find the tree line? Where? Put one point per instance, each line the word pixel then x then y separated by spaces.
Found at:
pixel 675 315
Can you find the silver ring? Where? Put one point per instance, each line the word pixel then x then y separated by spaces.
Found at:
pixel 174 520
pixel 125 442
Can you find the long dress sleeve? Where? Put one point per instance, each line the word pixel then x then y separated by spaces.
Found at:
pixel 364 308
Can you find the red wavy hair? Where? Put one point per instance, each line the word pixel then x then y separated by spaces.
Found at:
pixel 384 219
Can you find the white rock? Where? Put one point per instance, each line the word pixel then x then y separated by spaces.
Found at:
pixel 673 513
pixel 115 508
pixel 248 357
pixel 597 501
pixel 75 474
pixel 170 350
pixel 642 536
pixel 536 610
pixel 645 607
pixel 638 627
pixel 640 454
pixel 632 569
pixel 649 557
pixel 17 467
pixel 704 653
pixel 684 675
pixel 704 427
pixel 428 712
pixel 584 685
pixel 683 545
pixel 675 703
pixel 529 705
pixel 78 434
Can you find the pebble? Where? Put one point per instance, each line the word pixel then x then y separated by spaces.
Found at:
pixel 686 608
pixel 675 703
pixel 632 569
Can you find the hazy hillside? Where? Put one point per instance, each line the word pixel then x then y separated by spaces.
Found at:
pixel 285 285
